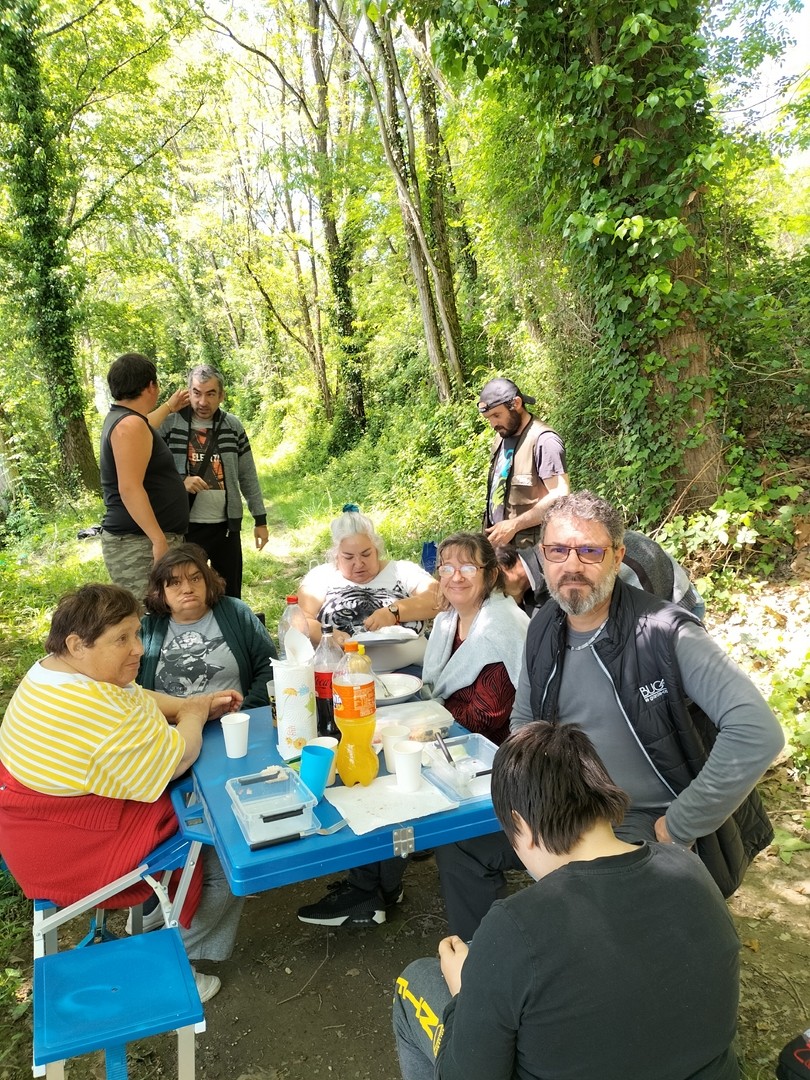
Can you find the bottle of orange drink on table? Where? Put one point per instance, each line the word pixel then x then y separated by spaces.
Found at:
pixel 355 716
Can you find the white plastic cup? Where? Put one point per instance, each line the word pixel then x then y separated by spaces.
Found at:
pixel 391 735
pixel 235 729
pixel 331 744
pixel 408 765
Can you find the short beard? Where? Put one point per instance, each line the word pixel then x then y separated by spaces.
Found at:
pixel 582 602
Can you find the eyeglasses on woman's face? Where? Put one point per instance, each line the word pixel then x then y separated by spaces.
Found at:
pixel 585 553
pixel 466 569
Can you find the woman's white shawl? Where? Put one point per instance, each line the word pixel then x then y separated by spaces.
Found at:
pixel 498 633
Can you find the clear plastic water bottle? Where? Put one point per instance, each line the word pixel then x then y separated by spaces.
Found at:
pixel 327 657
pixel 291 617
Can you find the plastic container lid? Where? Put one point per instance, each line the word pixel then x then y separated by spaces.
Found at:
pixel 272 805
pixel 292 599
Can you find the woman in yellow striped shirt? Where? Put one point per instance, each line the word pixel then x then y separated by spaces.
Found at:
pixel 85 759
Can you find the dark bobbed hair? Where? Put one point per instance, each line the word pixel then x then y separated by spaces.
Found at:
pixel 553 777
pixel 507 556
pixel 163 572
pixel 478 550
pixel 88 611
pixel 588 507
pixel 130 375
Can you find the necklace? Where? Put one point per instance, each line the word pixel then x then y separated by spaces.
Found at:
pixel 590 641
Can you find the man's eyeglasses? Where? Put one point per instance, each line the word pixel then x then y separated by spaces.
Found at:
pixel 585 553
pixel 467 569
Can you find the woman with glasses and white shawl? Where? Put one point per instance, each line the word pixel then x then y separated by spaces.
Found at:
pixel 476 646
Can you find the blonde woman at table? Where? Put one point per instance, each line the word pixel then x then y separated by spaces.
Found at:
pixel 358 588
pixel 471 665
pixel 85 759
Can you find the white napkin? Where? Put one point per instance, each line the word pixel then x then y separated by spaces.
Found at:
pixel 382 803
pixel 298 647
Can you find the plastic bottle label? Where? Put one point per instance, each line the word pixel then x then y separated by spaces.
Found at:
pixel 323 684
pixel 354 701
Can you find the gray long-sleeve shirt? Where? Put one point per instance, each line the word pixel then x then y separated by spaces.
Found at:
pixel 749 736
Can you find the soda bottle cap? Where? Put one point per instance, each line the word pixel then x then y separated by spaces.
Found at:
pixel 361 649
pixel 292 599
pixel 352 646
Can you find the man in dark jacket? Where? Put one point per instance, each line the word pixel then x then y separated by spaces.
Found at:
pixel 679 726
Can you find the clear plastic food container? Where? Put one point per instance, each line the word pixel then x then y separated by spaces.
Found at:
pixel 272 806
pixel 468 776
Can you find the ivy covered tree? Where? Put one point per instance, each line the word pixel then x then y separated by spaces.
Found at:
pixel 625 155
pixel 36 246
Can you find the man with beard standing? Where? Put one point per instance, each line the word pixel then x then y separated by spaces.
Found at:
pixel 527 469
pixel 678 725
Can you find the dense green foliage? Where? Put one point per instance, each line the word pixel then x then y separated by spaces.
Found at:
pixel 267 191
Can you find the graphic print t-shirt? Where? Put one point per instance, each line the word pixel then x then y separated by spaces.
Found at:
pixel 195 659
pixel 209 505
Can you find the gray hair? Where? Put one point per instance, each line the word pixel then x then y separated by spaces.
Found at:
pixel 588 507
pixel 205 372
pixel 353 523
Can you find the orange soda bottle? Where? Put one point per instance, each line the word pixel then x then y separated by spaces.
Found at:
pixel 355 716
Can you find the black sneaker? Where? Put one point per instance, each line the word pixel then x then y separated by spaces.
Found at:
pixel 345 903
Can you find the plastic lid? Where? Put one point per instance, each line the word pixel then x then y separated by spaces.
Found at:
pixel 361 649
pixel 352 646
pixel 292 599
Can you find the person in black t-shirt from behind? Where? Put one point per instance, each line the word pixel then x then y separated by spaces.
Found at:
pixel 621 961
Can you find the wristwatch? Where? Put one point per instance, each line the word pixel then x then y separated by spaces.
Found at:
pixel 394 609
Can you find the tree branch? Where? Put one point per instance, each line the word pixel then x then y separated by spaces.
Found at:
pixel 227 32
pixel 101 199
pixel 266 297
pixel 73 22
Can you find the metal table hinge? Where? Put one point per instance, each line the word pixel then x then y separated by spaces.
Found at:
pixel 403 841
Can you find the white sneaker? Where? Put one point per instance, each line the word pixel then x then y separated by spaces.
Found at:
pixel 207 985
pixel 152 921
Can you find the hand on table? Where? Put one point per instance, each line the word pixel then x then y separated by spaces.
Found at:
pixel 224 701
pixel 452 954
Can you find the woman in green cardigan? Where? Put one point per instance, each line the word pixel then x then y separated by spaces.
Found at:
pixel 198 640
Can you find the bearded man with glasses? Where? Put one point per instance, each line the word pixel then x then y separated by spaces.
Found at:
pixel 678 725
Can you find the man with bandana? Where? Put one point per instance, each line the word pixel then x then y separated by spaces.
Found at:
pixel 527 469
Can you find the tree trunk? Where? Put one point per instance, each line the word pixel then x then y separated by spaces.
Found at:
pixel 39 255
pixel 340 250
pixel 314 345
pixel 442 344
pixel 435 186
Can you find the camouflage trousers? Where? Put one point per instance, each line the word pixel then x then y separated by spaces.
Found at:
pixel 128 558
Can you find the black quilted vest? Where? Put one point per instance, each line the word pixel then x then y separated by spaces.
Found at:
pixel 637 650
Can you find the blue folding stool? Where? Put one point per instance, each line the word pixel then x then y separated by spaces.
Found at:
pixel 103 998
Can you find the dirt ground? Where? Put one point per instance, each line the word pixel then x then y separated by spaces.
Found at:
pixel 301 1001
